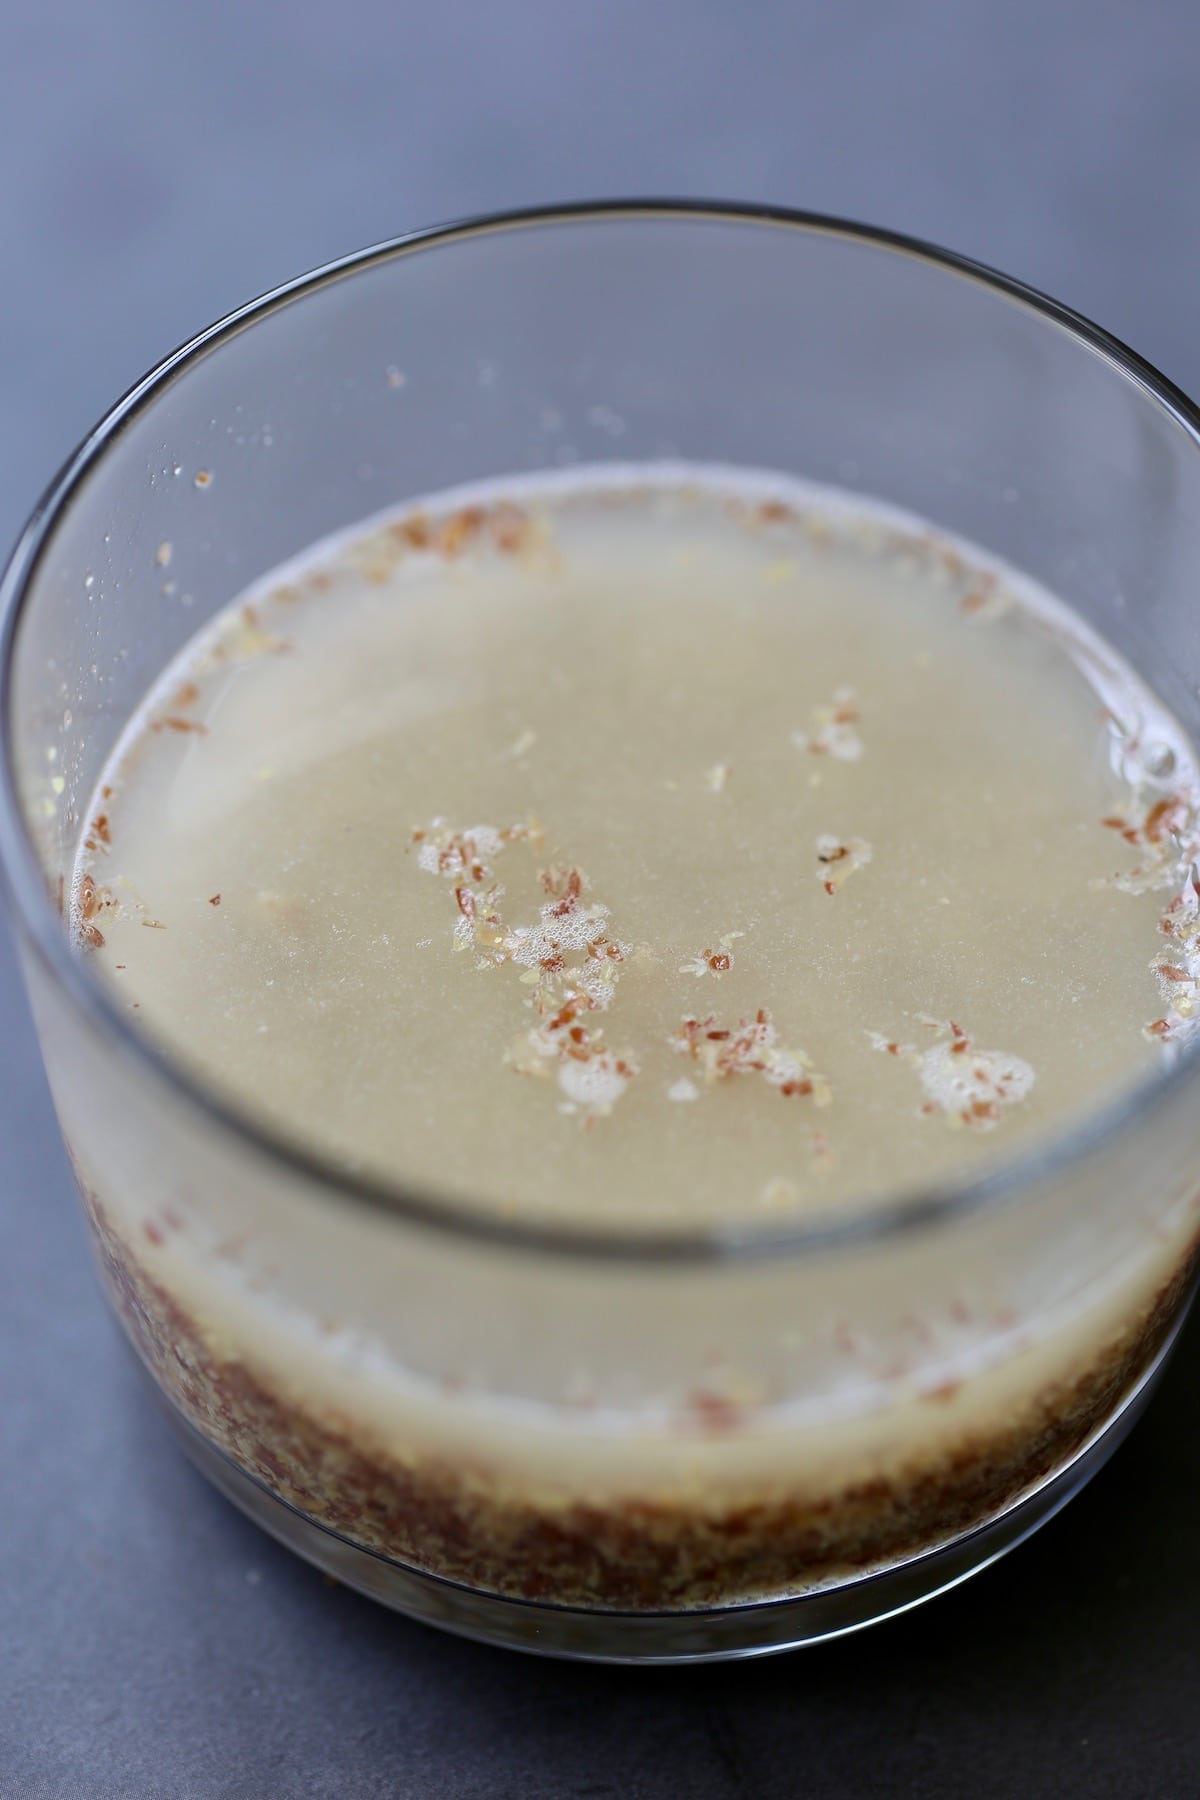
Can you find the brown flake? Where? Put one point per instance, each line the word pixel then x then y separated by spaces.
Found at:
pixel 414 532
pixel 510 527
pixel 173 722
pixel 752 1048
pixel 714 1412
pixel 460 530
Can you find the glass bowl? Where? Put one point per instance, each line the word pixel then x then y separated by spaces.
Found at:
pixel 389 1381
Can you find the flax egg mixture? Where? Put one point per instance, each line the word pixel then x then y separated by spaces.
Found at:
pixel 649 850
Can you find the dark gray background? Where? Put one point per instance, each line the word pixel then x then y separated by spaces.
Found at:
pixel 162 162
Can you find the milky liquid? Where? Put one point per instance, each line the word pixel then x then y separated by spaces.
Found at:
pixel 649 850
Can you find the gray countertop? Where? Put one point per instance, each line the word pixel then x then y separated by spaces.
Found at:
pixel 163 163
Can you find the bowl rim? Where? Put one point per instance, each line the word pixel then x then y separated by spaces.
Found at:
pixel 20 870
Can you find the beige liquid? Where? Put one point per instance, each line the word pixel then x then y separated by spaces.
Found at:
pixel 654 712
pixel 432 854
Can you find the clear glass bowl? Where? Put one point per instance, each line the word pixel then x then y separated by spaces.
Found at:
pixel 317 1376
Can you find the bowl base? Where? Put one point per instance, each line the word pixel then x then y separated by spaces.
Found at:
pixel 759 1628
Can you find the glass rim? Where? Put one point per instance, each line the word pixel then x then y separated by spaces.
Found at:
pixel 21 871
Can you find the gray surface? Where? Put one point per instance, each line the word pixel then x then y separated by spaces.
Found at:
pixel 162 163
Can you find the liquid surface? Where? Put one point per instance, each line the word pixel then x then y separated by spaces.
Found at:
pixel 650 851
